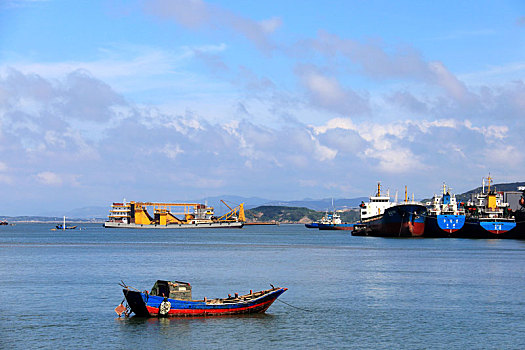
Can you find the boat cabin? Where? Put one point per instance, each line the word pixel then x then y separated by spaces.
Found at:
pixel 172 289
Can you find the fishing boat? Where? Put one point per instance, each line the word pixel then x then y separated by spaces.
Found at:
pixel 63 226
pixel 172 215
pixel 445 216
pixel 382 218
pixel 173 299
pixel 488 215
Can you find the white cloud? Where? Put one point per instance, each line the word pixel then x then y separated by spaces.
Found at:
pixel 172 151
pixel 198 14
pixel 335 123
pixel 506 156
pixel 4 176
pixel 448 81
pixel 49 178
pixel 326 92
pixel 321 152
pixel 271 25
pixel 398 160
pixel 491 132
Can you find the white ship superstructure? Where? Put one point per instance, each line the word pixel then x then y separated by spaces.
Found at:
pixel 376 205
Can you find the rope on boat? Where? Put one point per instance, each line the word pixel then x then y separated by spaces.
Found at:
pixel 295 307
pixel 122 284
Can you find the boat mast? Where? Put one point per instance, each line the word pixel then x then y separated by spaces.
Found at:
pixel 64 225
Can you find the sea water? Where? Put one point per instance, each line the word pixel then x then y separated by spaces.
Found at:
pixel 59 288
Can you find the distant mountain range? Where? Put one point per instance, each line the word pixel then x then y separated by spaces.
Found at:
pixel 95 212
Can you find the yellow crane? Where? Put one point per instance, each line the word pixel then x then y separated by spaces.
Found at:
pixel 234 213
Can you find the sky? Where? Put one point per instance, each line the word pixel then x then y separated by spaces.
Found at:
pixel 175 100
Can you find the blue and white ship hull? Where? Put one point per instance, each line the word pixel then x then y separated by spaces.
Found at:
pixel 476 228
pixel 444 225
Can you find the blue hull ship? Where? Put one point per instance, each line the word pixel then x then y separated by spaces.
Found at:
pixel 489 216
pixel 446 225
pixel 173 299
pixel 445 216
pixel 476 228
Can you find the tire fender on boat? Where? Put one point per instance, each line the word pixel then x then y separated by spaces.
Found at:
pixel 164 307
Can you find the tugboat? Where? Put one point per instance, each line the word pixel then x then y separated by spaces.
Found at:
pixel 333 222
pixel 445 216
pixel 488 216
pixel 315 224
pixel 382 218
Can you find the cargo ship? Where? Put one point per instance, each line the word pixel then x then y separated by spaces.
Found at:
pixel 445 216
pixel 489 216
pixel 172 216
pixel 382 218
pixel 519 214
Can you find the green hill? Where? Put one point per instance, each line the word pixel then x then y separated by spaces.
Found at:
pixel 283 214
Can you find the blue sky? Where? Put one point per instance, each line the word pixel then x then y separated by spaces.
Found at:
pixel 176 100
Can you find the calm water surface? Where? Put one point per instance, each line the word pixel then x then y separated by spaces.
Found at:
pixel 59 289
